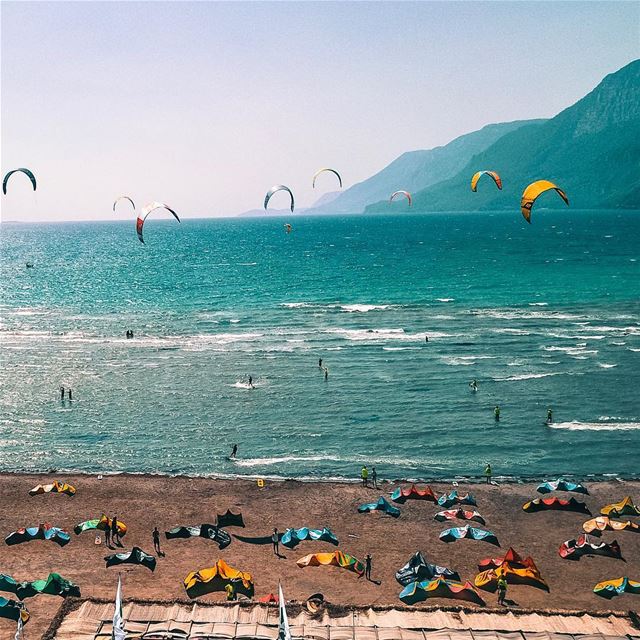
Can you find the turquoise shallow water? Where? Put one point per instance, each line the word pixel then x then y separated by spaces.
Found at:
pixel 547 314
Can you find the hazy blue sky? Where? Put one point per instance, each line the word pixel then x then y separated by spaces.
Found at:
pixel 205 105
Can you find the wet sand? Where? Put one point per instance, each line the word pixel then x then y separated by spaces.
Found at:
pixel 144 501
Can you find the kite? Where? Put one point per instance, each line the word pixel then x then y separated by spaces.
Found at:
pixel 511 556
pixel 55 487
pixel 459 514
pixel 146 210
pixel 101 523
pixel 336 559
pixel 562 485
pixel 458 533
pixel 319 171
pixel 623 508
pixel 556 504
pixel 382 505
pixel 529 576
pixel 42 532
pixel 401 495
pixel 597 525
pixel 275 189
pixel 135 556
pixel 479 174
pixel 447 501
pixel 406 194
pixel 199 583
pixel 208 531
pixel 229 519
pixel 617 587
pixel 124 198
pixel 532 192
pixel 587 545
pixel 439 587
pixel 418 569
pixel 13 610
pixel 23 170
pixel 54 585
pixel 291 538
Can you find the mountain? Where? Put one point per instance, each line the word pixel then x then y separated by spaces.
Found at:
pixel 591 150
pixel 416 170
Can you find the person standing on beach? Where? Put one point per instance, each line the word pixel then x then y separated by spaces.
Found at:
pixel 107 536
pixel 374 478
pixel 487 473
pixel 496 413
pixel 115 534
pixel 231 591
pixel 156 541
pixel 234 451
pixel 364 474
pixel 367 567
pixel 275 539
pixel 502 589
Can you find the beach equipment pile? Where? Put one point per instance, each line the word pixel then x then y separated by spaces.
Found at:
pixel 216 578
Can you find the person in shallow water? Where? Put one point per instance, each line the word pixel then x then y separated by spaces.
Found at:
pixel 320 363
pixel 426 338
pixel 251 382
pixel 326 373
pixel 234 451
pixel 61 393
pixel 549 416
pixel 496 413
pixel 473 385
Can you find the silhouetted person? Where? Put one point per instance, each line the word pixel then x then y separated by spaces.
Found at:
pixel 61 393
pixel 156 540
pixel 367 567
pixel 326 373
pixel 115 535
pixel 496 414
pixel 426 338
pixel 234 451
pixel 320 363
pixel 374 478
pixel 107 537
pixel 251 382
pixel 275 539
pixel 69 393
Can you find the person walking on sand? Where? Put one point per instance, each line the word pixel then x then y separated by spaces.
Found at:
pixel 502 589
pixel 156 541
pixel 275 539
pixel 234 451
pixel 364 474
pixel 367 567
pixel 115 534
pixel 487 473
pixel 374 478
pixel 496 413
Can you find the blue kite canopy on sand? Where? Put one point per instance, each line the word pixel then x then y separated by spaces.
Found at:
pixel 458 533
pixel 418 569
pixel 54 585
pixel 381 505
pixel 562 485
pixel 454 497
pixel 41 532
pixel 293 537
pixel 439 587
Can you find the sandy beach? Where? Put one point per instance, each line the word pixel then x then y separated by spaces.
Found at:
pixel 144 501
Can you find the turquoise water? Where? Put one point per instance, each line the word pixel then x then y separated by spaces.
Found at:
pixel 547 314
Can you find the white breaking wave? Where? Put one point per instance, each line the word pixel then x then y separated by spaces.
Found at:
pixel 538 304
pixel 529 376
pixel 363 308
pixel 377 335
pixel 445 299
pixel 263 462
pixel 513 332
pixel 574 425
pixel 606 366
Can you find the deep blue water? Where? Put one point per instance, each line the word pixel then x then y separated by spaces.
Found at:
pixel 542 315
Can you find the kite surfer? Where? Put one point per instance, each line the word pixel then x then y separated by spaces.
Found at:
pixel 251 382
pixel 62 393
pixel 234 451
pixel 275 539
pixel 496 413
pixel 69 393
pixel 549 416
pixel 473 385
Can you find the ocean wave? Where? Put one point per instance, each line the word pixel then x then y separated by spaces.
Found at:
pixel 575 425
pixel 377 335
pixel 400 348
pixel 363 308
pixel 265 462
pixel 538 304
pixel 529 376
pixel 606 366
pixel 445 299
pixel 512 331
pixel 524 314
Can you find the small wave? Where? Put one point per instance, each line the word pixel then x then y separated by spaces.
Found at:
pixel 296 305
pixel 574 425
pixel 603 365
pixel 529 376
pixel 363 308
pixel 264 462
pixel 376 335
pixel 538 304
pixel 513 332
pixel 400 348
pixel 634 350
pixel 445 299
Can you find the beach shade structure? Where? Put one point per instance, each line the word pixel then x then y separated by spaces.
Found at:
pixel 291 538
pixel 382 505
pixel 562 485
pixel 269 599
pixel 401 494
pixel 439 587
pixel 597 525
pixel 13 610
pixel 511 556
pixel 617 587
pixel 524 575
pixel 458 514
pixel 336 559
pixel 54 487
pixel 208 531
pixel 623 508
pixel 135 556
pixel 216 578
pixel 229 519
pixel 41 532
pixel 54 585
pixel 586 545
pixel 458 533
pixel 555 504
pixel 453 498
pixel 101 524
pixel 418 569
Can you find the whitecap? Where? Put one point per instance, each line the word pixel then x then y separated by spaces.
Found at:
pixel 445 299
pixel 606 366
pixel 363 308
pixel 529 376
pixel 575 425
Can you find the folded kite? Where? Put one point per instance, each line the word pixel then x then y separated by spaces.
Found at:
pixel 293 537
pixel 216 578
pixel 418 569
pixel 555 504
pixel 336 559
pixel 617 587
pixel 208 531
pixel 562 485
pixel 101 523
pixel 458 514
pixel 453 498
pixel 382 505
pixel 401 495
pixel 586 545
pixel 54 487
pixel 623 508
pixel 42 532
pixel 524 575
pixel 13 610
pixel 135 556
pixel 269 599
pixel 54 585
pixel 229 519
pixel 439 587
pixel 597 525
pixel 458 533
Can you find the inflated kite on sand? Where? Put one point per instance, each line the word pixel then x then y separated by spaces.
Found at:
pixel 458 533
pixel 291 538
pixel 617 587
pixel 453 498
pixel 135 556
pixel 555 504
pixel 336 559
pixel 54 487
pixel 401 495
pixel 623 508
pixel 54 585
pixel 418 569
pixel 41 532
pixel 216 578
pixel 586 545
pixel 562 485
pixel 382 505
pixel 440 587
pixel 208 531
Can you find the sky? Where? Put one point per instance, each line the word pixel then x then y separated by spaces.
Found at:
pixel 206 105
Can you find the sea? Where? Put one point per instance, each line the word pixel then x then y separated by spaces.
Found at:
pixel 543 316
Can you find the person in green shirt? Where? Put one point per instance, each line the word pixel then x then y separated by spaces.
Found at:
pixel 231 591
pixel 496 413
pixel 502 589
pixel 487 473
pixel 364 474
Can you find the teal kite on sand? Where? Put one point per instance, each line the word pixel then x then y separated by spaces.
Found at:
pixel 440 587
pixel 13 610
pixel 135 556
pixel 293 537
pixel 454 497
pixel 54 585
pixel 41 532
pixel 611 588
pixel 562 485
pixel 458 533
pixel 382 505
